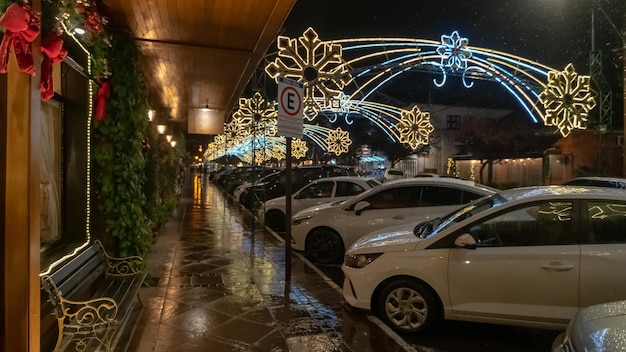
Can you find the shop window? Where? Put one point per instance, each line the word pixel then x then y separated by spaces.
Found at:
pixel 453 122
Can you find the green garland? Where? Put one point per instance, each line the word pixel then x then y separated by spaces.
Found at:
pixel 118 162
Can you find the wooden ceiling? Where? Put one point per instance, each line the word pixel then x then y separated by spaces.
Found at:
pixel 199 52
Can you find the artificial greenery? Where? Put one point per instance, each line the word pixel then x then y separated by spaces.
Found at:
pixel 162 175
pixel 118 171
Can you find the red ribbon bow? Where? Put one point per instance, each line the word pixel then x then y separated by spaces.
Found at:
pixel 104 91
pixel 22 27
pixel 52 48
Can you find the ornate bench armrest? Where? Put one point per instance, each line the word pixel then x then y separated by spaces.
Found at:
pixel 126 266
pixel 92 313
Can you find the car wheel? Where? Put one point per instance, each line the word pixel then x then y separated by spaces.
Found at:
pixel 275 220
pixel 324 246
pixel 408 306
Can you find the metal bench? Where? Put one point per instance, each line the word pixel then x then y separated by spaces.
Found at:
pixel 91 295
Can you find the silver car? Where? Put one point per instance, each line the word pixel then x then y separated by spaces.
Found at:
pixel 600 327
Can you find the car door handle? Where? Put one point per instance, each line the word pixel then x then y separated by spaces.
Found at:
pixel 398 217
pixel 556 266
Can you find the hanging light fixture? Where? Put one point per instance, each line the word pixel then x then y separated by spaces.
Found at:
pixel 173 143
pixel 168 137
pixel 151 114
pixel 161 129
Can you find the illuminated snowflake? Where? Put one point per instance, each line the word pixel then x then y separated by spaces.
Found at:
pixel 320 67
pixel 220 142
pixel 266 127
pixel 298 148
pixel 414 127
pixel 235 131
pixel 278 152
pixel 260 155
pixel 454 51
pixel 567 100
pixel 255 109
pixel 338 141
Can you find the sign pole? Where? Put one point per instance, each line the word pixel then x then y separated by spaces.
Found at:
pixel 288 192
pixel 289 125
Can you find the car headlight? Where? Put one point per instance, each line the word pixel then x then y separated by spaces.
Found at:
pixel 360 260
pixel 297 221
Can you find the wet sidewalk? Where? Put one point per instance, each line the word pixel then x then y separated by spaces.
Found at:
pixel 222 287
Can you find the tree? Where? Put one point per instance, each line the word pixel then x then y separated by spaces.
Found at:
pixel 491 140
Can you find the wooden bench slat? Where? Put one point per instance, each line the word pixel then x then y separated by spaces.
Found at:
pixel 66 270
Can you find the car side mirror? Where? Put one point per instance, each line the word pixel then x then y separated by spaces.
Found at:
pixel 360 207
pixel 465 241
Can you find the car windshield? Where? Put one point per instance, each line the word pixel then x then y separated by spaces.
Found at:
pixel 432 227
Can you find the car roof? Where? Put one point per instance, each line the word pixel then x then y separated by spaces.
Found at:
pixel 438 180
pixel 343 178
pixel 426 181
pixel 588 192
pixel 598 178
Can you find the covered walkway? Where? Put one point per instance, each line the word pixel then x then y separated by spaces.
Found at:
pixel 220 286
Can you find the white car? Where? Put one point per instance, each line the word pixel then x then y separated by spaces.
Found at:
pixel 318 192
pixel 528 257
pixel 323 232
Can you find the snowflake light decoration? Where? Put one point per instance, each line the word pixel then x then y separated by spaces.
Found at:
pixel 338 141
pixel 454 51
pixel 320 67
pixel 235 131
pixel 255 109
pixel 298 148
pixel 414 127
pixel 567 99
pixel 278 152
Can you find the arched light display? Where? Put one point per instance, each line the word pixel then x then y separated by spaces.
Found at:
pixel 318 65
pixel 567 100
pixel 414 127
pixel 341 76
pixel 375 62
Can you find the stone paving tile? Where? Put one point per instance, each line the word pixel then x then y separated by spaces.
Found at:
pixel 222 287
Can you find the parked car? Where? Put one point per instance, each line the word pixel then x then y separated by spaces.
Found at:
pixel 323 232
pixel 378 174
pixel 300 176
pixel 528 257
pixel 598 181
pixel 240 194
pixel 246 176
pixel 318 192
pixel 601 327
pixel 393 174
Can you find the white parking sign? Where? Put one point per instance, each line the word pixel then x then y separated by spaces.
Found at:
pixel 290 98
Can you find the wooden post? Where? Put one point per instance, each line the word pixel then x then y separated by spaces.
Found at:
pixel 21 157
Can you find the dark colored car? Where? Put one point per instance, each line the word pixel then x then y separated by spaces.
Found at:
pixel 249 176
pixel 597 181
pixel 300 176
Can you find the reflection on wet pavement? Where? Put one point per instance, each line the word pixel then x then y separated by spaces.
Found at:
pixel 222 287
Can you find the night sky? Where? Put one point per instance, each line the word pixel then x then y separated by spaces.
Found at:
pixel 552 32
